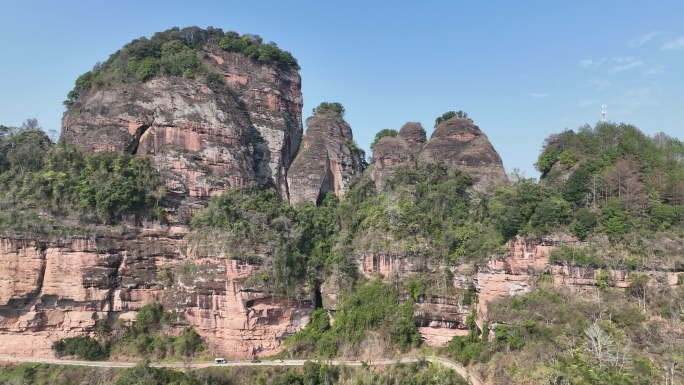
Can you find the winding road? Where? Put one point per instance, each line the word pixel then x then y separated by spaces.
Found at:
pixel 460 369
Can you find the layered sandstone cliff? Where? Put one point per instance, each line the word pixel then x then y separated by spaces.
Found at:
pixel 204 138
pixel 56 289
pixel 440 317
pixel 59 288
pixel 519 271
pixel 327 160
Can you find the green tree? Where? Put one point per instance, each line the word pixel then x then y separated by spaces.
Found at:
pixel 150 317
pixel 336 107
pixel 383 133
pixel 583 224
pixel 568 158
pixel 576 188
pixel 450 114
pixel 189 342
pixel 549 215
pixel 614 218
pixel 27 150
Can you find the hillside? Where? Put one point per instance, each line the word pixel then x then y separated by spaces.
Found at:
pixel 184 213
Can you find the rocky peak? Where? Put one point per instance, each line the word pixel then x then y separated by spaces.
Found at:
pixel 273 100
pixel 462 145
pixel 413 132
pixel 390 153
pixel 328 159
pixel 205 136
pixel 457 141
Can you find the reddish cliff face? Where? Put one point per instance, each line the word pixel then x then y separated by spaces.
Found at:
pixel 53 290
pixel 273 99
pixel 527 260
pixel 326 160
pixel 438 318
pixel 461 144
pixel 59 288
pixel 204 139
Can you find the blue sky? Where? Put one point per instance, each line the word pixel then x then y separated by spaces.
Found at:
pixel 522 70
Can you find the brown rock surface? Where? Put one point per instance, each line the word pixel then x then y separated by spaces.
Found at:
pixel 457 142
pixel 57 289
pixel 517 273
pixel 204 139
pixel 326 161
pixel 272 97
pixel 462 145
pixel 438 318
pixel 414 134
pixel 391 153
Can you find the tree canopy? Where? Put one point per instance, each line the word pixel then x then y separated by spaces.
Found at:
pixel 176 52
pixel 450 114
pixel 383 133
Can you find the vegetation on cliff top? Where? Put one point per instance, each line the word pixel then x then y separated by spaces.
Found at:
pixel 176 52
pixel 450 114
pixel 383 133
pixel 335 107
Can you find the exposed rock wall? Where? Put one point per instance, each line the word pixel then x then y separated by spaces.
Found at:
pixel 204 139
pixel 527 260
pixel 391 153
pixel 57 289
pixel 461 144
pixel 326 160
pixel 273 99
pixel 457 142
pixel 438 318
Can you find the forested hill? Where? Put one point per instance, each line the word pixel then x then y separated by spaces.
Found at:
pixel 615 181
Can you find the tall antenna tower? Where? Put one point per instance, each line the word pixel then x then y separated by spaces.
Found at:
pixel 604 111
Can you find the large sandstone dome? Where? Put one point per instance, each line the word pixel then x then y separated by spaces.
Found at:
pixel 414 133
pixel 230 121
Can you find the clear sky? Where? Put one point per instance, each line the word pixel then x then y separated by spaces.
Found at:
pixel 521 69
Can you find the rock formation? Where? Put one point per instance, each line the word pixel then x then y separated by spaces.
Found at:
pixel 327 160
pixel 391 153
pixel 457 142
pixel 461 144
pixel 56 289
pixel 204 139
pixel 272 97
